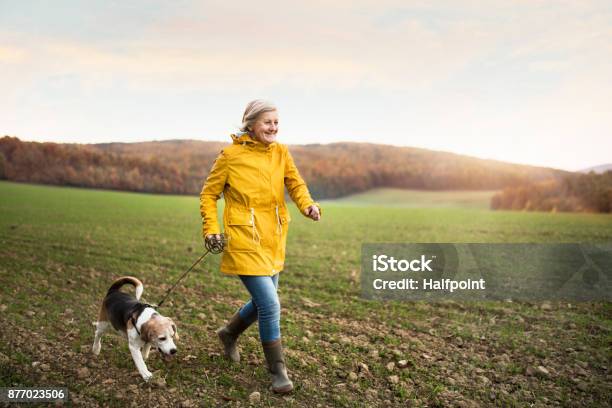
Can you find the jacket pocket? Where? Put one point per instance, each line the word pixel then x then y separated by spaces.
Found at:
pixel 240 231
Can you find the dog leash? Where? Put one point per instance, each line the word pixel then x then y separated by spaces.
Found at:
pixel 213 245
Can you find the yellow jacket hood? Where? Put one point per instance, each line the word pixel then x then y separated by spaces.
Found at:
pixel 244 138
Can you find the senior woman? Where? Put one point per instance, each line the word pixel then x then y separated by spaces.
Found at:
pixel 252 174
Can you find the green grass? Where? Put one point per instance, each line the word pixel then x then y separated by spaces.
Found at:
pixel 61 247
pixel 393 197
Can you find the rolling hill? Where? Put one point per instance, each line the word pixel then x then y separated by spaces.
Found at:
pixel 331 170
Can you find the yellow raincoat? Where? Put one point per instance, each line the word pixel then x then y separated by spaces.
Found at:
pixel 252 178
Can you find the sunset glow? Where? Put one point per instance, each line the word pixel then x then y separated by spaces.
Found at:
pixel 518 81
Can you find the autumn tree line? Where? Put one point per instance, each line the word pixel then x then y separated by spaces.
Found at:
pixel 331 170
pixel 573 192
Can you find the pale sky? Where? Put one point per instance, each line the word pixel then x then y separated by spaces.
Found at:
pixel 520 81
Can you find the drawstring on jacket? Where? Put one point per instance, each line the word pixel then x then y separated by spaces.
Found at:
pixel 255 233
pixel 256 237
pixel 278 221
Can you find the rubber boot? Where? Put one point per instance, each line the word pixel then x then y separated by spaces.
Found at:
pixel 276 365
pixel 228 335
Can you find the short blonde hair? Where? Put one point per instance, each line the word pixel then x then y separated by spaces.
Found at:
pixel 252 112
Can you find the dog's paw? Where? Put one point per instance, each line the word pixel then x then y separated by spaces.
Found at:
pixel 96 349
pixel 147 375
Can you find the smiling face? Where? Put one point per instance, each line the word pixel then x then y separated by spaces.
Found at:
pixel 265 127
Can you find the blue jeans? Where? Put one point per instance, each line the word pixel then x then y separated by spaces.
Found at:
pixel 263 306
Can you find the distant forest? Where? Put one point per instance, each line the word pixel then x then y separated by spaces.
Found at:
pixel 573 192
pixel 331 170
pixel 180 167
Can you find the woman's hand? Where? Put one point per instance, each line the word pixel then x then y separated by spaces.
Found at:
pixel 313 212
pixel 215 243
pixel 216 237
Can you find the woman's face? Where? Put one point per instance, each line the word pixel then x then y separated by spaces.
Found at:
pixel 265 127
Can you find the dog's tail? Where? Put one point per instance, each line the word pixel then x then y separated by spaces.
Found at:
pixel 124 280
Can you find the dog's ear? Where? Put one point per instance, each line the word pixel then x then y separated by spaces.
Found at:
pixel 176 336
pixel 146 332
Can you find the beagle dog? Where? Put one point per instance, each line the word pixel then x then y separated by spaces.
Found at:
pixel 139 322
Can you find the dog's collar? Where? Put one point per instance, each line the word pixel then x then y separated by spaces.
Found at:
pixel 134 321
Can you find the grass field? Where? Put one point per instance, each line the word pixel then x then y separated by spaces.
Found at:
pixel 60 248
pixel 392 197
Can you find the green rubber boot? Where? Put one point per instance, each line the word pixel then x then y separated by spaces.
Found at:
pixel 276 365
pixel 228 335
